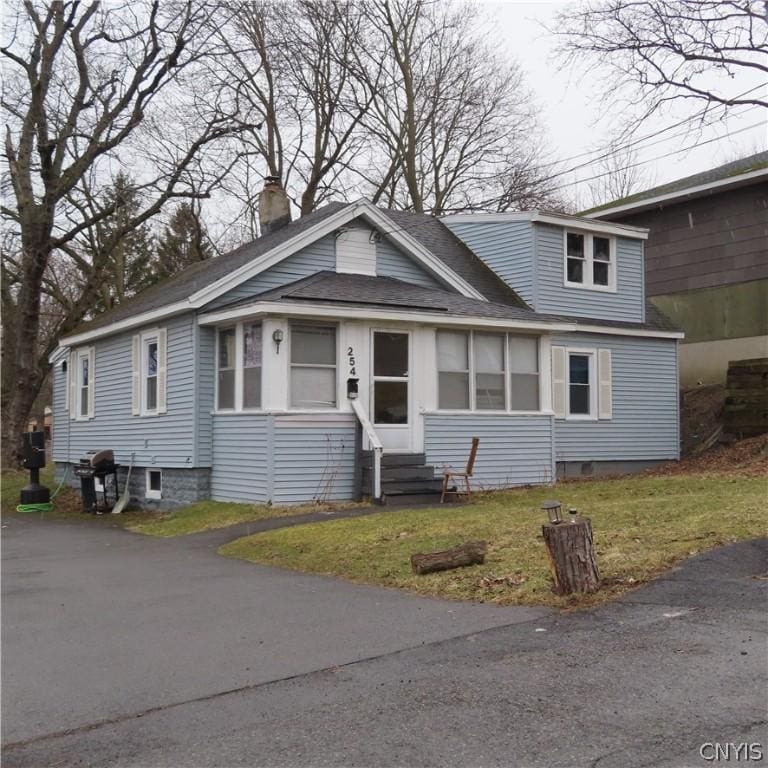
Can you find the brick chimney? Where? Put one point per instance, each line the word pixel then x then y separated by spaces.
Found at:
pixel 274 209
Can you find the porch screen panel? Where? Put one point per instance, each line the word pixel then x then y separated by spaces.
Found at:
pixel 489 371
pixel 252 365
pixel 453 370
pixel 313 366
pixel 524 373
pixel 226 369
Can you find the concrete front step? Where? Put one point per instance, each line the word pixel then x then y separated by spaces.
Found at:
pixel 411 499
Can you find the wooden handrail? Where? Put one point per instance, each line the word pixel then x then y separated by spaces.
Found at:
pixel 376 445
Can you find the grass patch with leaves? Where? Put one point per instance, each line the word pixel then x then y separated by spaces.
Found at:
pixel 642 525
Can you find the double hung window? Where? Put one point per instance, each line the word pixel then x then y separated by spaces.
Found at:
pixel 313 366
pixel 590 261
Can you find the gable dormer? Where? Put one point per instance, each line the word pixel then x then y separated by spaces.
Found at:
pixel 563 265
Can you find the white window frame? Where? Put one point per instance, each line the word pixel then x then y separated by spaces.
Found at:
pixel 240 367
pixel 238 328
pixel 150 493
pixel 588 274
pixel 591 353
pixel 337 366
pixel 85 353
pixel 508 410
pixel 146 339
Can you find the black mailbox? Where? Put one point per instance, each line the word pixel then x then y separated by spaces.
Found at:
pixel 33 447
pixel 352 388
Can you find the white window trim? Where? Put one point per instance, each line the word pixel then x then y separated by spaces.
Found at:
pixel 240 367
pixel 145 339
pixel 544 407
pixel 591 353
pixel 238 328
pixel 85 353
pixel 337 366
pixel 148 492
pixel 588 273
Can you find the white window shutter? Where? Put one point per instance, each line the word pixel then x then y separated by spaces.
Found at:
pixel 162 369
pixel 604 384
pixel 72 374
pixel 559 389
pixel 91 382
pixel 136 375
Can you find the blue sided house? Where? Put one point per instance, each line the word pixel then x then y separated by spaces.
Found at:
pixel 357 351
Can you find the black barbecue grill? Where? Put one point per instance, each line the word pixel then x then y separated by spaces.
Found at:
pixel 98 465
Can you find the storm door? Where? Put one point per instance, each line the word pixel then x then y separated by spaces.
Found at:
pixel 391 389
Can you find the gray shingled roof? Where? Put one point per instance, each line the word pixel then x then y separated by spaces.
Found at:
pixel 427 230
pixel 351 290
pixel 721 172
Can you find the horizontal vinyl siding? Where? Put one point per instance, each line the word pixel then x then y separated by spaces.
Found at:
pixel 205 392
pixel 627 304
pixel 391 262
pixel 645 404
pixel 506 247
pixel 314 458
pixel 241 457
pixel 166 440
pixel 514 450
pixel 319 256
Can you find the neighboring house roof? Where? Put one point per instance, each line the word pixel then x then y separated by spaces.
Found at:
pixel 450 259
pixel 748 170
pixel 345 291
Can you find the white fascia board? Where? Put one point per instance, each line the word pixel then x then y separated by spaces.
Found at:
pixel 640 332
pixel 361 208
pixel 650 202
pixel 143 318
pixel 381 315
pixel 560 220
pixel 57 354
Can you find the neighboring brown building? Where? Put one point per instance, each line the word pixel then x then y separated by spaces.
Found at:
pixel 706 261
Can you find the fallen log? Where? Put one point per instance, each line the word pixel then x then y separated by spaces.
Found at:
pixel 572 556
pixel 469 553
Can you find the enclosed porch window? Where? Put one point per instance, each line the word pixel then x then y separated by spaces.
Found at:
pixel 487 371
pixel 313 366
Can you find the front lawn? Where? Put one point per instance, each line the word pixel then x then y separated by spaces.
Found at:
pixel 642 525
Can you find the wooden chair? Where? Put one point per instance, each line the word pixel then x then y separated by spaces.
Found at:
pixel 465 475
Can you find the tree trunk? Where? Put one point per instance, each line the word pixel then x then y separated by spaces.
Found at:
pixel 27 374
pixel 572 556
pixel 470 553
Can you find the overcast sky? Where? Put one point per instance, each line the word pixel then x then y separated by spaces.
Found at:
pixel 575 121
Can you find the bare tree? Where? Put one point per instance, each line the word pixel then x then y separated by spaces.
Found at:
pixel 288 67
pixel 84 85
pixel 618 174
pixel 662 51
pixel 452 118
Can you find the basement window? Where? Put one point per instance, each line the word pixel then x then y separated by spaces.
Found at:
pixel 154 488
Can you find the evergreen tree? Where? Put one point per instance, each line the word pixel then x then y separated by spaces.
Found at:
pixel 128 266
pixel 183 242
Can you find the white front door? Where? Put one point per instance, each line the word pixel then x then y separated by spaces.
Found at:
pixel 390 398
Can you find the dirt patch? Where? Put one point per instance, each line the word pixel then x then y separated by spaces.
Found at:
pixel 746 458
pixel 701 417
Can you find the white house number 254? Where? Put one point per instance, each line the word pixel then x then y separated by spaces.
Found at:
pixel 351 360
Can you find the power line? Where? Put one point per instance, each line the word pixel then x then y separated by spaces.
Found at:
pixel 621 147
pixel 652 159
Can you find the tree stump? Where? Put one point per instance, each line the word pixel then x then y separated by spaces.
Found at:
pixel 470 553
pixel 572 556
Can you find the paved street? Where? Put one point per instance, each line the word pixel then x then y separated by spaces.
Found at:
pixel 121 650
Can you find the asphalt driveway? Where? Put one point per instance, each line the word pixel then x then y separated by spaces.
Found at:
pixel 99 623
pixel 128 651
